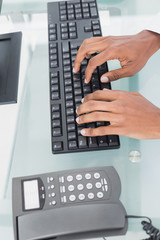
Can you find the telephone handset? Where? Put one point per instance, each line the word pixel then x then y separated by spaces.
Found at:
pixel 66 205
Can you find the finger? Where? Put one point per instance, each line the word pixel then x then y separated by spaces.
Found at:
pixel 103 95
pixel 97 117
pixel 92 106
pixel 116 74
pixel 88 47
pixel 98 60
pixel 100 131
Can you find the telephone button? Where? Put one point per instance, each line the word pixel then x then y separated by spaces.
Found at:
pixel 52 186
pixel 89 186
pixel 106 188
pixel 54 202
pixel 90 195
pixel 80 187
pixel 63 199
pixel 88 176
pixel 96 175
pixel 71 188
pixel 81 197
pixel 53 194
pixel 100 195
pixel 69 178
pixel 62 189
pixel 79 177
pixel 51 179
pixel 105 181
pixel 72 198
pixel 98 185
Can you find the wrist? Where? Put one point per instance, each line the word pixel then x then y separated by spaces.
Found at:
pixel 153 40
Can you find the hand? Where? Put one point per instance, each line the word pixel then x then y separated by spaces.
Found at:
pixel 129 114
pixel 132 51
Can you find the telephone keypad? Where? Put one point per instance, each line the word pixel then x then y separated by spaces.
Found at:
pixel 85 186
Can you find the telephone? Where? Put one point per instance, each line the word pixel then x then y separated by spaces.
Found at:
pixel 66 205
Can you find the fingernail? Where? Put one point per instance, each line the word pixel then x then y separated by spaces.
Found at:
pixel 85 80
pixel 77 119
pixel 83 132
pixel 82 100
pixel 104 79
pixel 74 71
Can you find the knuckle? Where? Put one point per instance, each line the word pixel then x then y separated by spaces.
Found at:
pixel 115 75
pixel 90 131
pixel 97 94
pixel 86 41
pixel 84 48
pixel 91 104
pixel 96 115
pixel 100 131
pixel 92 63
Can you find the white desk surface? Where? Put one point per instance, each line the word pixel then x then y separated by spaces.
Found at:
pixel 32 151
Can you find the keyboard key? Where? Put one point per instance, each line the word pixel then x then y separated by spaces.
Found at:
pixel 94 12
pixel 69 96
pixel 82 142
pixel 72 35
pixel 71 127
pixel 70 119
pixel 102 141
pixel 56 123
pixel 112 139
pixel 57 132
pixel 57 146
pixel 69 104
pixel 72 145
pixel 63 17
pixel 54 88
pixel 55 107
pixel 55 95
pixel 56 115
pixel 54 81
pixel 71 136
pixel 70 111
pixel 88 29
pixel 64 36
pixel 53 64
pixel 92 142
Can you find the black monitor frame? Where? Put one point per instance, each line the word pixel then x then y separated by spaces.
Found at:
pixel 11 90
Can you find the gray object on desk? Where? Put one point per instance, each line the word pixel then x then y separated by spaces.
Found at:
pixel 10 48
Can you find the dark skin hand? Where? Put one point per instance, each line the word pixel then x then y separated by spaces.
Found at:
pixel 132 51
pixel 129 114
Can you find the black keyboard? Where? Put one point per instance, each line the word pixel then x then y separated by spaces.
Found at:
pixel 69 23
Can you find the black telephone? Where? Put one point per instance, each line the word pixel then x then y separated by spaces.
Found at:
pixel 73 204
